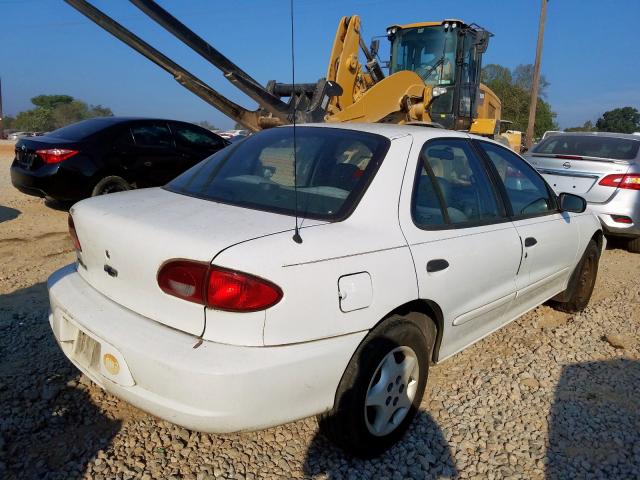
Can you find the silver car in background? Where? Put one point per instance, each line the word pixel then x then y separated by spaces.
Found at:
pixel 602 167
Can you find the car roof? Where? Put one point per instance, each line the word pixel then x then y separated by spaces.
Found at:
pixel 116 120
pixel 392 130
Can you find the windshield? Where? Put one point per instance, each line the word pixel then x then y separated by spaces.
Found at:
pixel 428 51
pixel 589 146
pixel 80 130
pixel 334 167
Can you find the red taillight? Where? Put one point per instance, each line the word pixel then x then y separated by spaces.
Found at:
pixel 217 287
pixel 74 234
pixel 55 155
pixel 240 292
pixel 619 180
pixel 569 157
pixel 622 219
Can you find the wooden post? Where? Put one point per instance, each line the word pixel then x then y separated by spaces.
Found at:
pixel 536 76
pixel 1 117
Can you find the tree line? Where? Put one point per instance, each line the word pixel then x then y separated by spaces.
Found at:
pixel 513 87
pixel 54 111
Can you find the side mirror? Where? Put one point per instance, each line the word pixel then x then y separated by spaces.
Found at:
pixel 572 203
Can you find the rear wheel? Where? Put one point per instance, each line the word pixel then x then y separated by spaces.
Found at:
pixel 110 184
pixel 634 245
pixel 582 281
pixel 382 387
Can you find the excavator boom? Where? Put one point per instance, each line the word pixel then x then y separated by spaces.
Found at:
pixel 433 76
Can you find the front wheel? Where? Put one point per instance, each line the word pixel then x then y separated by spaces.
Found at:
pixel 382 387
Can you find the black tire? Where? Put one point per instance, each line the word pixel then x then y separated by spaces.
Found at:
pixel 578 293
pixel 110 184
pixel 634 245
pixel 349 423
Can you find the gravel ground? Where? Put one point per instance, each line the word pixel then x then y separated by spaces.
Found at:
pixel 551 395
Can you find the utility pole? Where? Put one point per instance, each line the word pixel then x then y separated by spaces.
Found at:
pixel 536 76
pixel 1 117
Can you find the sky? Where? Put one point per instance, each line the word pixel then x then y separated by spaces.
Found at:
pixel 46 47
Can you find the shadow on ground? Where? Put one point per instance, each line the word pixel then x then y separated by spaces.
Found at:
pixel 8 213
pixel 423 453
pixel 59 205
pixel 49 428
pixel 594 428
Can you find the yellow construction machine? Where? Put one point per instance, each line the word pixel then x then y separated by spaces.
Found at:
pixel 433 76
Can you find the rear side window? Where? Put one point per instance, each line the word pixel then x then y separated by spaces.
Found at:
pixel 452 186
pixel 590 146
pixel 333 168
pixel 526 190
pixel 152 135
pixel 194 137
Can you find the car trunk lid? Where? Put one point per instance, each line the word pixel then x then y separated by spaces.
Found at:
pixel 578 174
pixel 26 148
pixel 126 237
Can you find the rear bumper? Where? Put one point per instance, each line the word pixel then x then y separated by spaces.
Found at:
pixel 212 388
pixel 48 181
pixel 623 203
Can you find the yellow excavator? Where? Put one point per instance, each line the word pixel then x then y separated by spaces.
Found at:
pixel 433 80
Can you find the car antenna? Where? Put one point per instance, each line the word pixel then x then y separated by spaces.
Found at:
pixel 296 235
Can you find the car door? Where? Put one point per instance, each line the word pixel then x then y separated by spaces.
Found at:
pixel 154 153
pixel 549 237
pixel 465 249
pixel 194 144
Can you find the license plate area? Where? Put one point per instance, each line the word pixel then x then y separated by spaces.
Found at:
pixel 25 159
pixel 86 350
pixel 576 185
pixel 93 354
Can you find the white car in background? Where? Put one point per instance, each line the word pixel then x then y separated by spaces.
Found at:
pixel 200 303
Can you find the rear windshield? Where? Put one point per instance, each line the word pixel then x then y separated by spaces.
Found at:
pixel 333 168
pixel 589 146
pixel 80 130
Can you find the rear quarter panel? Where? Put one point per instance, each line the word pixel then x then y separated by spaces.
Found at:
pixel 370 240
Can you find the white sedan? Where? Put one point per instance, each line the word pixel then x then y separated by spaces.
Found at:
pixel 233 299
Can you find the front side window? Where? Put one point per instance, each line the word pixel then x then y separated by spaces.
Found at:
pixel 428 51
pixel 333 168
pixel 452 186
pixel 152 135
pixel 526 190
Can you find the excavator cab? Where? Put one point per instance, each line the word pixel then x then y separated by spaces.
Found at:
pixel 447 56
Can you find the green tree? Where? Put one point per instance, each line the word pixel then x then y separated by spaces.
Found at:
pixel 622 120
pixel 37 119
pixel 586 127
pixel 523 78
pixel 510 87
pixel 8 122
pixel 51 101
pixel 206 124
pixel 55 111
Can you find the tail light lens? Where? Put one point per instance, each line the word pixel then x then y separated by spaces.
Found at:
pixel 74 234
pixel 184 279
pixel 55 155
pixel 217 287
pixel 618 180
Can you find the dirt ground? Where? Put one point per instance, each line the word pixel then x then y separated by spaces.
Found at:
pixel 551 395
